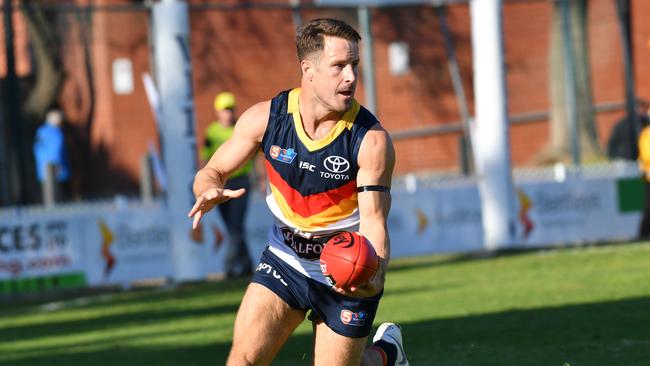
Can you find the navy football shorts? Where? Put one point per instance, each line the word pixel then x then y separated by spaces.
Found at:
pixel 347 316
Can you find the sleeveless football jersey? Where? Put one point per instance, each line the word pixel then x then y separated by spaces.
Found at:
pixel 311 183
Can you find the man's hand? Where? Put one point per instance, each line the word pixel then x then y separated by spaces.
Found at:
pixel 210 198
pixel 372 288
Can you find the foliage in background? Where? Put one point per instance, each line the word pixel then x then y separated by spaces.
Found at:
pixel 559 145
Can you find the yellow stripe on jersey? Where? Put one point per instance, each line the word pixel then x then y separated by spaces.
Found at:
pixel 336 213
pixel 345 122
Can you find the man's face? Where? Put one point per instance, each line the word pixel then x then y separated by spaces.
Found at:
pixel 226 116
pixel 334 75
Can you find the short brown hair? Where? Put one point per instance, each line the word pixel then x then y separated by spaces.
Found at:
pixel 310 37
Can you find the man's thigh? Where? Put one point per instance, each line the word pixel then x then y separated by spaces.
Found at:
pixel 264 323
pixel 333 349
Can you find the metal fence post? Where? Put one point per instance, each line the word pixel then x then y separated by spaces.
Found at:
pixel 146 181
pixel 49 185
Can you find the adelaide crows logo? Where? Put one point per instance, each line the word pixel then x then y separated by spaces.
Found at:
pixel 344 238
pixel 283 155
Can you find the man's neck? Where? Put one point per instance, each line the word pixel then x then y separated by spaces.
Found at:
pixel 317 119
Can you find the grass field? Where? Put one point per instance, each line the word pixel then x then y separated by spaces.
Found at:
pixel 582 306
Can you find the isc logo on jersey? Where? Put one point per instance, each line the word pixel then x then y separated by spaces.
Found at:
pixel 336 166
pixel 305 165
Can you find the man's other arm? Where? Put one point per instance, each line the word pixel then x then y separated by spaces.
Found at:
pixel 376 162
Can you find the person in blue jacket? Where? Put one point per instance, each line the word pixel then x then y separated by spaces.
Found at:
pixel 50 148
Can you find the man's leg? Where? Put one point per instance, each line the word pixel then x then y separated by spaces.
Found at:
pixel 388 344
pixel 331 348
pixel 264 323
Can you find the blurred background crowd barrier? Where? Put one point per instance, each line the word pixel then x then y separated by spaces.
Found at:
pixel 573 121
pixel 125 240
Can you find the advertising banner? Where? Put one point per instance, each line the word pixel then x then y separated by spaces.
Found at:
pixel 434 221
pixel 574 211
pixel 127 245
pixel 36 246
pixel 548 213
pixel 211 239
pixel 258 223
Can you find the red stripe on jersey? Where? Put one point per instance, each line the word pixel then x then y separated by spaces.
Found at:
pixel 312 204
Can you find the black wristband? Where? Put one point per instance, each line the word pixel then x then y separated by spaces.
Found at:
pixel 373 189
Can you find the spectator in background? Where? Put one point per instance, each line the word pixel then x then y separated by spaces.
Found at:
pixel 237 258
pixel 644 164
pixel 50 149
pixel 622 141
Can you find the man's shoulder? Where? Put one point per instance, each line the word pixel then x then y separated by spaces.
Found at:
pixel 377 142
pixel 258 109
pixel 368 121
pixel 254 120
pixel 366 118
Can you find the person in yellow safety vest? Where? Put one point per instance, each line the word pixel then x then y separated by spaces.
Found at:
pixel 237 261
pixel 644 165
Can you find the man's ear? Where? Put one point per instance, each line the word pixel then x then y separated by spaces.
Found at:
pixel 307 67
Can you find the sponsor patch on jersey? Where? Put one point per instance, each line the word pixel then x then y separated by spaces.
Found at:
pixel 283 155
pixel 308 248
pixel 336 164
pixel 357 319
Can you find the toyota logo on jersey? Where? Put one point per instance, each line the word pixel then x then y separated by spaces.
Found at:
pixel 336 164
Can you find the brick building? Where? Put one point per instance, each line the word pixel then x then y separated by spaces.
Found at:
pixel 249 50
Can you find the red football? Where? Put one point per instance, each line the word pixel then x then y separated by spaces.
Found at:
pixel 349 260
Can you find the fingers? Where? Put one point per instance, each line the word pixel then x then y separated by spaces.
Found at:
pixel 197 218
pixel 208 199
pixel 340 290
pixel 234 194
pixel 351 292
pixel 366 290
pixel 203 199
pixel 197 206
